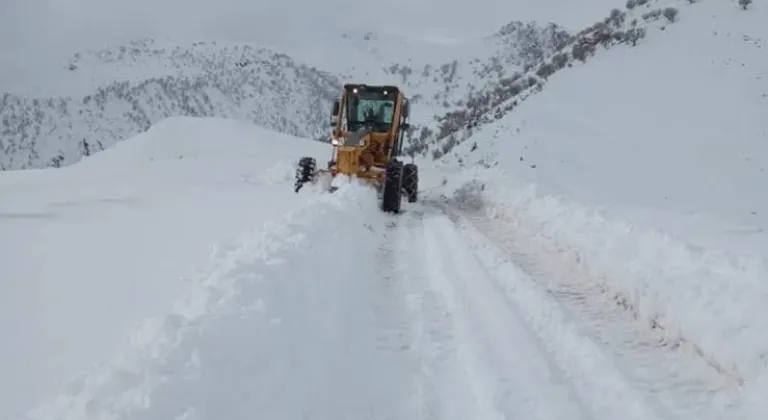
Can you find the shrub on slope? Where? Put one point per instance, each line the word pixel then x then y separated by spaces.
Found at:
pixel 269 89
pixel 145 81
pixel 626 27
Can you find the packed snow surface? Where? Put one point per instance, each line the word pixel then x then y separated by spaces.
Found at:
pixel 220 292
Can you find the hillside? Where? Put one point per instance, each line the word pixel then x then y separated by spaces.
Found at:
pixel 634 125
pixel 238 82
pixel 640 173
pixel 111 94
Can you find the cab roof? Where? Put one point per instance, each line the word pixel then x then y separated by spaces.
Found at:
pixel 371 88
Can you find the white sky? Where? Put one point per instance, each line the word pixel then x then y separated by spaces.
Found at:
pixel 38 30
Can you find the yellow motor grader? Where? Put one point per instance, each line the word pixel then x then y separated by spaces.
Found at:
pixel 369 125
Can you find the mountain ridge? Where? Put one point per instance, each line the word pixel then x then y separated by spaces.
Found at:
pixel 273 89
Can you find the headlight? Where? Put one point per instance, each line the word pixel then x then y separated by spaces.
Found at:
pixel 362 142
pixel 335 142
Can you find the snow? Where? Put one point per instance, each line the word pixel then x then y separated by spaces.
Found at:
pixel 234 81
pixel 88 251
pixel 323 307
pixel 708 298
pixel 684 136
pixel 99 97
pixel 643 169
pixel 601 253
pixel 261 332
pixel 595 378
pixel 203 299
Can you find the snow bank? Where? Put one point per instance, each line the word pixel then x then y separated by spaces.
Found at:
pixel 645 167
pixel 711 300
pixel 164 349
pixel 600 384
pixel 671 133
pixel 88 250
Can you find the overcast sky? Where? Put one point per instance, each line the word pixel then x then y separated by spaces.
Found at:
pixel 84 20
pixel 33 31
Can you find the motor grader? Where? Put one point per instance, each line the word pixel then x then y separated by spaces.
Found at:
pixel 368 130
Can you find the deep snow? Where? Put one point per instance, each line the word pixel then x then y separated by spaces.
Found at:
pixel 89 251
pixel 643 168
pixel 669 134
pixel 209 299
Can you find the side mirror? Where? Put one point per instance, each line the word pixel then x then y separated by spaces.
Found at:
pixel 336 109
pixel 406 109
pixel 335 113
pixel 405 126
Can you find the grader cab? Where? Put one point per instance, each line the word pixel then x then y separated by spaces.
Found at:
pixel 368 130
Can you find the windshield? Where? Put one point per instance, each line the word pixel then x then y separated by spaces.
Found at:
pixel 364 109
pixel 371 106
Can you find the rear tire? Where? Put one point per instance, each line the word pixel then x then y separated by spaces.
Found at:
pixel 305 172
pixel 393 184
pixel 411 181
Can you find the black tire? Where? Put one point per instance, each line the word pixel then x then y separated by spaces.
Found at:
pixel 305 172
pixel 411 181
pixel 393 184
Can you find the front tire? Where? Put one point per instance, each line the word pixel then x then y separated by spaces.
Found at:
pixel 393 184
pixel 305 172
pixel 411 181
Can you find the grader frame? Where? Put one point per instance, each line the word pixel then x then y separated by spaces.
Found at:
pixel 369 123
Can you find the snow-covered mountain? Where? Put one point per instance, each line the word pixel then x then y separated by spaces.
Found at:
pixel 618 29
pixel 233 81
pixel 112 94
pixel 629 109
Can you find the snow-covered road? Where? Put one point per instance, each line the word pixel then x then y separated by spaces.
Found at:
pixel 320 306
pixel 425 315
pixel 479 358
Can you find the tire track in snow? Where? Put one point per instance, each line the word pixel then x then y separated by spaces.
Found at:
pixel 675 375
pixel 600 381
pixel 398 327
pixel 430 326
pixel 293 322
pixel 479 361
